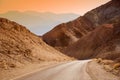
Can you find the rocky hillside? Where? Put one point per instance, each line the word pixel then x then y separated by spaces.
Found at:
pixel 67 33
pixel 103 42
pixel 104 13
pixel 96 34
pixel 18 46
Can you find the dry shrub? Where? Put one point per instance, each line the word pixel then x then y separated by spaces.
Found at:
pixel 116 65
pixel 107 62
pixel 107 67
pixel 99 60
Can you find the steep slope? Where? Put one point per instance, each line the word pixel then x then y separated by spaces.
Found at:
pixel 93 43
pixel 67 33
pixel 111 49
pixel 94 38
pixel 104 13
pixel 18 46
pixel 104 40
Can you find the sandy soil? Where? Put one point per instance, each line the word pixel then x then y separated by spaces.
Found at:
pixel 97 72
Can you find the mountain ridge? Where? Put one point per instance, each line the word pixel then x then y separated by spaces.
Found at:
pixel 101 25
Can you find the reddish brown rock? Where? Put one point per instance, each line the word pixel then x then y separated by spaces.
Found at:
pixel 102 42
pixel 67 33
pixel 87 46
pixel 92 35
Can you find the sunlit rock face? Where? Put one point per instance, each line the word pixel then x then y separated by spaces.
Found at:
pixel 18 46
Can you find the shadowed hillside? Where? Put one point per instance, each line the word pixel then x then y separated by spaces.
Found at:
pixel 96 34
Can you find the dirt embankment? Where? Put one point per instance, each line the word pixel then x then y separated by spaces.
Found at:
pixel 98 71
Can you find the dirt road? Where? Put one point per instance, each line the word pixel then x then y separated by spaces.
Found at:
pixel 75 70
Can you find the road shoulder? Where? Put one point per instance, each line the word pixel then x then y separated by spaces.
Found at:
pixel 97 72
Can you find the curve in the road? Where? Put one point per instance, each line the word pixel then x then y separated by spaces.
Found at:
pixel 75 70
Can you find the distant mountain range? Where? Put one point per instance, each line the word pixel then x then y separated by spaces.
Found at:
pixel 38 22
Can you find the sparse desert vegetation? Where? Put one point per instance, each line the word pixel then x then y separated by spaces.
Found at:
pixel 109 65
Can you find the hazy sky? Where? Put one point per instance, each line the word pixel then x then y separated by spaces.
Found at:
pixel 56 6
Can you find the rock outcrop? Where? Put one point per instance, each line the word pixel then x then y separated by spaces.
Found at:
pixel 104 13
